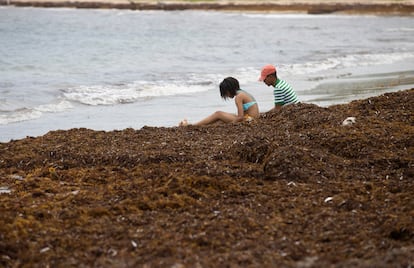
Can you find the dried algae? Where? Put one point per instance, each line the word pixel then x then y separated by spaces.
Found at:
pixel 291 189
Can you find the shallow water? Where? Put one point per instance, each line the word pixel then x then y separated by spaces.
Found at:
pixel 113 69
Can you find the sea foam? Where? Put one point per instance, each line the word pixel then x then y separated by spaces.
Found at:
pixel 129 93
pixel 24 114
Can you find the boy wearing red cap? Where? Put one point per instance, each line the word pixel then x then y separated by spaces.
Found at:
pixel 283 92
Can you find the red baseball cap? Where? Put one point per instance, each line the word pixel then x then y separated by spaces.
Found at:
pixel 266 70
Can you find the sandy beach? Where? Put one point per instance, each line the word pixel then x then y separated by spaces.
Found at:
pixel 404 7
pixel 291 189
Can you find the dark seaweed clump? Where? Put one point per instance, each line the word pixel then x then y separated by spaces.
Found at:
pixel 291 189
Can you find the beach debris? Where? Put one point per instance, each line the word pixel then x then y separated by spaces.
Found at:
pixel 5 257
pixel 16 177
pixel 291 183
pixel 283 254
pixel 307 262
pixel 112 252
pixel 134 244
pixel 75 192
pixel 349 121
pixel 5 190
pixel 45 249
pixel 328 199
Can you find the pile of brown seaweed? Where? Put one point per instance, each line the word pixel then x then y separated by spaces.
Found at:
pixel 291 189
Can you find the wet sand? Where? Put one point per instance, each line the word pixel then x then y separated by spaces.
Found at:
pixel 404 7
pixel 291 189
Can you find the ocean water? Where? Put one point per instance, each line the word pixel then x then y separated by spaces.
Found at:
pixel 115 69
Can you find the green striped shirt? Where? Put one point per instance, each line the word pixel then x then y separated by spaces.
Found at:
pixel 284 93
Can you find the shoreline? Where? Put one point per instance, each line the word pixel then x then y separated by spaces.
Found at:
pixel 405 8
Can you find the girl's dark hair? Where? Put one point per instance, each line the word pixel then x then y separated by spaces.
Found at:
pixel 229 87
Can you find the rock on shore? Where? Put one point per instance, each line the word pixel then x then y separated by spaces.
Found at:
pixel 291 189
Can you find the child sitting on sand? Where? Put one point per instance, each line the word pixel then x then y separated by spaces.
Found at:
pixel 247 108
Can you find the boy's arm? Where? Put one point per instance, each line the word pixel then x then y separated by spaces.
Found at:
pixel 276 108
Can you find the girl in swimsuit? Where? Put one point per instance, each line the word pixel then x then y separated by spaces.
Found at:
pixel 247 108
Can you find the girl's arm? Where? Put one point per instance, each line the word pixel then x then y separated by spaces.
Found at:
pixel 239 104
